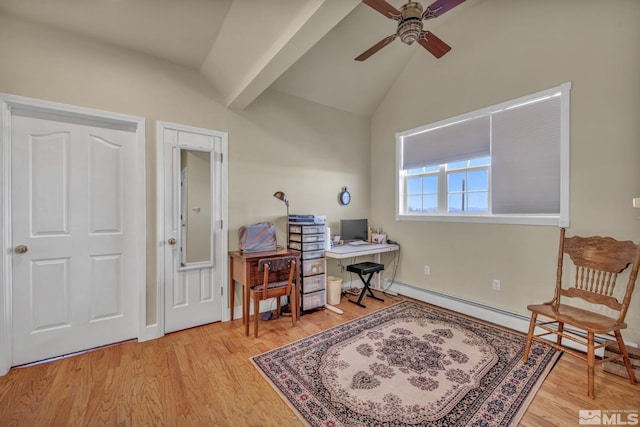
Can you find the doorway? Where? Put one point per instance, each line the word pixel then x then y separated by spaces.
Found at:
pixel 73 229
pixel 192 225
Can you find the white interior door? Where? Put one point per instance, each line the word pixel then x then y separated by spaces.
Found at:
pixel 194 244
pixel 74 266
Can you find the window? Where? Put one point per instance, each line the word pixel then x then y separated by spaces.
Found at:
pixel 508 163
pixel 467 187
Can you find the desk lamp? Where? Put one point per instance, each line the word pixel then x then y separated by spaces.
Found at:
pixel 281 196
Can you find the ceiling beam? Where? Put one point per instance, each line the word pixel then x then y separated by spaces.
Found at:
pixel 271 42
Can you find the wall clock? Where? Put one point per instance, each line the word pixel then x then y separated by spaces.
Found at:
pixel 345 197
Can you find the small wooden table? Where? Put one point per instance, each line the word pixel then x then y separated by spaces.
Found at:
pixel 243 268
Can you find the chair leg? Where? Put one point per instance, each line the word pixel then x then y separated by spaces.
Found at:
pixel 560 331
pixel 591 364
pixel 625 357
pixel 532 327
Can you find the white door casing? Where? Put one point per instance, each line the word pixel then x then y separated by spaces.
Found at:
pixel 73 182
pixel 194 294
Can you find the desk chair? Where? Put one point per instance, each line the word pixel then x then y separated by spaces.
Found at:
pixel 363 268
pixel 278 276
pixel 597 262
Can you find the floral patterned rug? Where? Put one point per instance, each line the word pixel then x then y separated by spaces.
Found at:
pixel 409 364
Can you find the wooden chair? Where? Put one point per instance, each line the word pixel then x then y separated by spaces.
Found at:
pixel 597 262
pixel 278 280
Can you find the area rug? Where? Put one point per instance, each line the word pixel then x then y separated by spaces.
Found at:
pixel 408 364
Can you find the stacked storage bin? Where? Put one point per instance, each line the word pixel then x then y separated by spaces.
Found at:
pixel 309 239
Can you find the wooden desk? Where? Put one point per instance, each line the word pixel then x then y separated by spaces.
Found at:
pixel 243 268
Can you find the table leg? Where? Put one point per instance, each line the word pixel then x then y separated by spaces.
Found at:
pixel 298 301
pixel 246 296
pixel 377 286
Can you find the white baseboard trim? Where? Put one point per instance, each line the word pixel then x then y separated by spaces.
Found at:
pixel 151 333
pixel 509 319
pixel 484 312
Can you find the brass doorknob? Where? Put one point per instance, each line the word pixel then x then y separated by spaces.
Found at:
pixel 171 241
pixel 20 249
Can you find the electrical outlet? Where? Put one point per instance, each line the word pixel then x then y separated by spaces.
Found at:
pixel 427 270
pixel 496 284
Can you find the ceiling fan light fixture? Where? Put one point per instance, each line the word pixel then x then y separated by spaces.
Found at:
pixel 410 27
pixel 409 30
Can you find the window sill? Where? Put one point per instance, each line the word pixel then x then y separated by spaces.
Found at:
pixel 552 220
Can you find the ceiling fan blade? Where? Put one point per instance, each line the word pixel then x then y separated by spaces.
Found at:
pixel 433 44
pixel 384 8
pixel 439 7
pixel 376 47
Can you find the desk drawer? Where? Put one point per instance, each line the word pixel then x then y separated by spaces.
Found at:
pixel 313 300
pixel 306 238
pixel 313 283
pixel 314 246
pixel 307 229
pixel 311 255
pixel 313 266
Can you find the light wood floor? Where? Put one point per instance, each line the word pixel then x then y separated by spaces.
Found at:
pixel 203 377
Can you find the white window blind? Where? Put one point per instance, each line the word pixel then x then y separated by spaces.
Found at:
pixel 457 141
pixel 525 158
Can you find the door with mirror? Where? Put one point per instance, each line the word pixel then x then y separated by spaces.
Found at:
pixel 194 237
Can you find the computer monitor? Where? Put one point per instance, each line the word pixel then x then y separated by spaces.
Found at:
pixel 353 229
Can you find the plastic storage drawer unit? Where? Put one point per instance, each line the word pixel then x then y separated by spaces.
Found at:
pixel 309 238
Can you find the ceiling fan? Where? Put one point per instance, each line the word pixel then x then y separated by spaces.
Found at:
pixel 410 17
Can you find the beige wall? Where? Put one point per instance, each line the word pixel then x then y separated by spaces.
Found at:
pixel 279 143
pixel 521 47
pixel 310 152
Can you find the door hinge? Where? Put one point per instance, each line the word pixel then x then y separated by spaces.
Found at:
pixel 221 291
pixel 219 157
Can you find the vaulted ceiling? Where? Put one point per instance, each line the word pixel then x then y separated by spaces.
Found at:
pixel 305 48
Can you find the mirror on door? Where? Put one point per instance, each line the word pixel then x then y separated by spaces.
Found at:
pixel 196 246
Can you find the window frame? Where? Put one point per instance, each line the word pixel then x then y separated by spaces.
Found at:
pixel 560 219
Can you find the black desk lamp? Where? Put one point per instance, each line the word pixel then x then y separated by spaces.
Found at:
pixel 281 196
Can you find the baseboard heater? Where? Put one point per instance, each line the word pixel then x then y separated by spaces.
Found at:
pixel 516 321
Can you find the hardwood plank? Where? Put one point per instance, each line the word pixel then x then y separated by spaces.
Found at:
pixel 203 376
